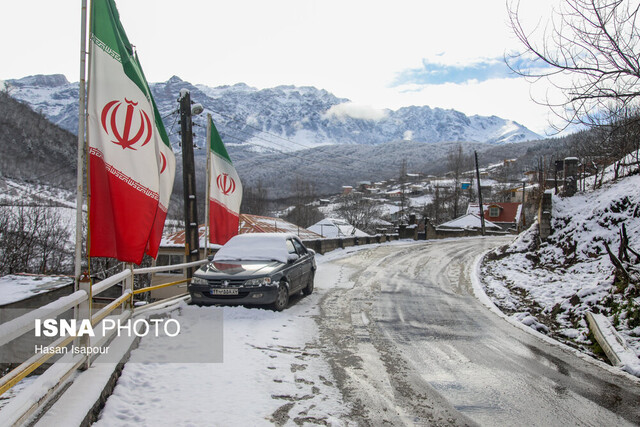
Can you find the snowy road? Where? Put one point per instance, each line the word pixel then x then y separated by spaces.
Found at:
pixel 409 344
pixel 393 335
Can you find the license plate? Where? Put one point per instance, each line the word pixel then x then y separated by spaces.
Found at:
pixel 224 291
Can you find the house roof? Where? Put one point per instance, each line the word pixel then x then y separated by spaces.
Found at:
pixel 333 227
pixel 509 212
pixel 469 221
pixel 248 224
pixel 264 224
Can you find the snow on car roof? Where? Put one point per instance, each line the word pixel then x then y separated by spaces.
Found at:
pixel 255 247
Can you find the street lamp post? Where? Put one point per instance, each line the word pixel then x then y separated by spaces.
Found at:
pixel 191 235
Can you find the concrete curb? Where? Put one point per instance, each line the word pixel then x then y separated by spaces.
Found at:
pixel 614 346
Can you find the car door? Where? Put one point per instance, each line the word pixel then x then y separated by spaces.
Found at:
pixel 304 262
pixel 293 269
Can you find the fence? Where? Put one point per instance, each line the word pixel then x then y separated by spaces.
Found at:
pixel 81 302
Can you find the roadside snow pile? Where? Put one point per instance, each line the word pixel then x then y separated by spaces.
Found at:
pixel 551 285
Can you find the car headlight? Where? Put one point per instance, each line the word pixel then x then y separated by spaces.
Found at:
pixel 262 281
pixel 199 281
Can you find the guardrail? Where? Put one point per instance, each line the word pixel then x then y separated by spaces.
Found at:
pixel 80 301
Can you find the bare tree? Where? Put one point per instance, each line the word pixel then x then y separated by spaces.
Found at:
pixel 304 213
pixel 590 50
pixel 458 163
pixel 33 239
pixel 254 199
pixel 359 211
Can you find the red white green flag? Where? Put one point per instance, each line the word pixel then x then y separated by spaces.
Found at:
pixel 131 163
pixel 225 191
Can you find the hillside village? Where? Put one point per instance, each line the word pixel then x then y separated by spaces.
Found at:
pixel 438 199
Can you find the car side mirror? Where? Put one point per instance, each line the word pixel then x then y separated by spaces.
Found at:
pixel 292 258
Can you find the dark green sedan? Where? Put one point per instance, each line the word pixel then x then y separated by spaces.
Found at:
pixel 256 269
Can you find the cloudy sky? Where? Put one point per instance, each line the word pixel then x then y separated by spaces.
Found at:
pixel 378 54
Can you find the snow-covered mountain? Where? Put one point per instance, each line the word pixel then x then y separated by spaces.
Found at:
pixel 284 118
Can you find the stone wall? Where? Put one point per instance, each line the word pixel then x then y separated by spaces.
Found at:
pixel 433 233
pixel 570 176
pixel 544 214
pixel 322 246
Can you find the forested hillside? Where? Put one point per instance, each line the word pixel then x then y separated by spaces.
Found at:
pixel 32 148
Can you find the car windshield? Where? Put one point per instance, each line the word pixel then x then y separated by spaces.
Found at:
pixel 254 247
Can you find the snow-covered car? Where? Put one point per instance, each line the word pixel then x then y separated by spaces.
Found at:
pixel 256 268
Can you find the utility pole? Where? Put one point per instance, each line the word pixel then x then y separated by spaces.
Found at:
pixel 524 199
pixel 191 235
pixel 403 174
pixel 479 194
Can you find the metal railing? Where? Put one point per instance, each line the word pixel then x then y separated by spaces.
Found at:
pixel 80 301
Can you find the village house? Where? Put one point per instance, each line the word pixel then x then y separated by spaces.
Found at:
pixel 469 221
pixel 334 227
pixel 506 215
pixel 515 193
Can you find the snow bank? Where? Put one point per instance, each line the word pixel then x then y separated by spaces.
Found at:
pixel 555 283
pixel 17 287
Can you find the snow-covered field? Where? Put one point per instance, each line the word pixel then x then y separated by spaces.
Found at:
pixel 551 288
pixel 17 193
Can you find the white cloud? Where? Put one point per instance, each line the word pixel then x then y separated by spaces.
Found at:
pixel 505 98
pixel 356 111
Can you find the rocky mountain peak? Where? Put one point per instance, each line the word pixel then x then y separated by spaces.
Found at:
pixel 42 80
pixel 286 118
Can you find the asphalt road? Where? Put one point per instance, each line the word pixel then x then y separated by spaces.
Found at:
pixel 409 344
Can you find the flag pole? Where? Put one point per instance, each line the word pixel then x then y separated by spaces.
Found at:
pixel 81 131
pixel 208 191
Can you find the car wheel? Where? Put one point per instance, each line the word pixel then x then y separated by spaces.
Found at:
pixel 282 299
pixel 307 290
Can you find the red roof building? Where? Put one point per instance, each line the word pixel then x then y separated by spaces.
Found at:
pixel 506 215
pixel 248 224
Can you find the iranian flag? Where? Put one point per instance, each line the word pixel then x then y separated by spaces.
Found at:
pixel 225 191
pixel 131 163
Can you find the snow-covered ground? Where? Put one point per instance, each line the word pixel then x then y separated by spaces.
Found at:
pixel 17 193
pixel 15 390
pixel 273 370
pixel 62 202
pixel 17 287
pixel 550 286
